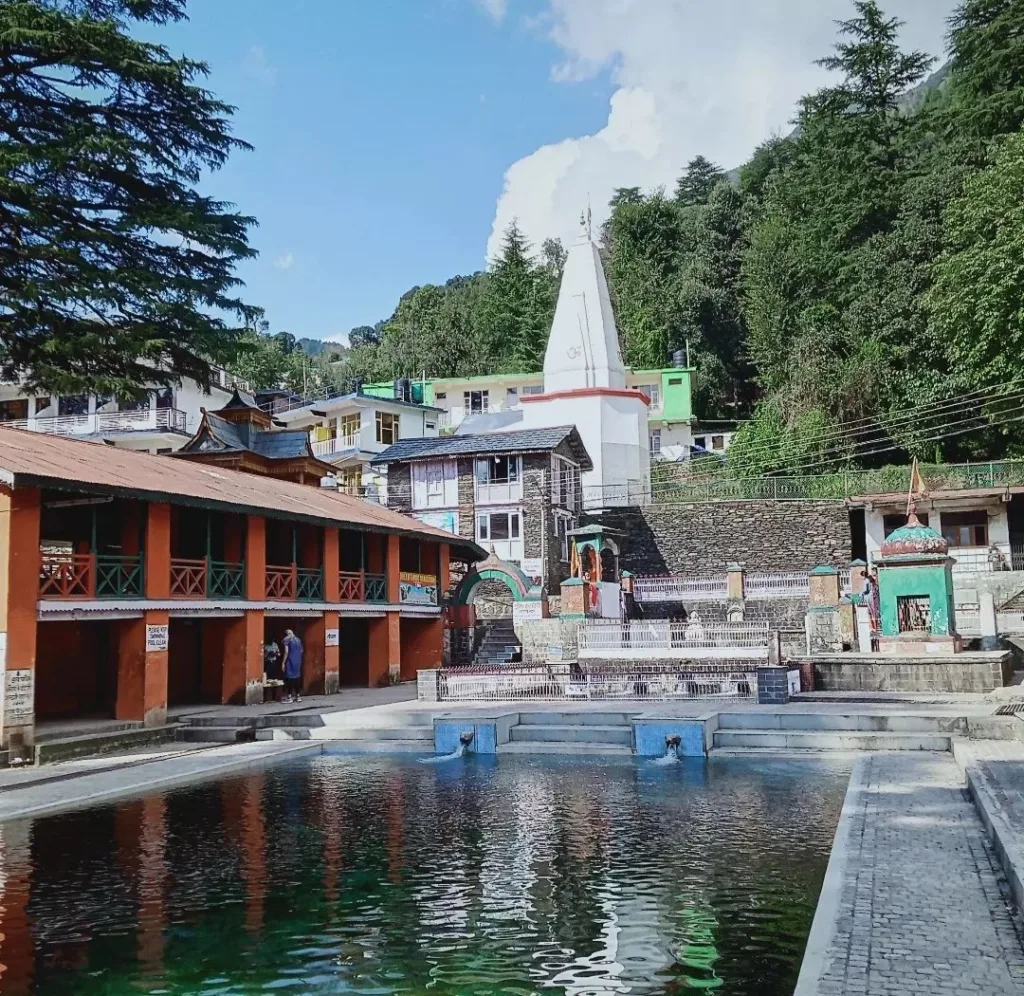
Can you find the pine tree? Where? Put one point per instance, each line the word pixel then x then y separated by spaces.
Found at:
pixel 113 268
pixel 697 182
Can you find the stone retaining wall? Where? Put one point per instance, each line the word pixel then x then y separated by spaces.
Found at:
pixel 938 676
pixel 760 536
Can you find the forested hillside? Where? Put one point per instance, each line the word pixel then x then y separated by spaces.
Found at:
pixel 856 292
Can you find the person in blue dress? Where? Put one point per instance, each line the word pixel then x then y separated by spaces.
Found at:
pixel 292 647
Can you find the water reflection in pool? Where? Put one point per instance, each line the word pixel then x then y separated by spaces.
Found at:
pixel 381 876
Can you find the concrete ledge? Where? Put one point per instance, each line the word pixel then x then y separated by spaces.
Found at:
pixel 826 914
pixel 157 776
pixel 1008 842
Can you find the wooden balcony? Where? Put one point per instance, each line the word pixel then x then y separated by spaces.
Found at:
pixel 292 583
pixel 90 575
pixel 358 586
pixel 207 578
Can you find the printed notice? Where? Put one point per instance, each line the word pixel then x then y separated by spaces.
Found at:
pixel 156 639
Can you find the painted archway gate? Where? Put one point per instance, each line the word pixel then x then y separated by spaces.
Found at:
pixel 493 569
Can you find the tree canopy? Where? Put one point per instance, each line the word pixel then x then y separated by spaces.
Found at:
pixel 115 271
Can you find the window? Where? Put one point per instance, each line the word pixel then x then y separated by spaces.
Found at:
pixel 13 410
pixel 387 428
pixel 675 381
pixel 496 527
pixel 429 425
pixel 476 402
pixel 435 478
pixel 513 392
pixel 890 523
pixel 965 528
pixel 73 404
pixel 350 480
pixel 440 395
pixel 655 442
pixel 565 482
pixel 350 425
pixel 562 527
pixel 533 389
pixel 701 442
pixel 718 442
pixel 501 469
pixel 653 392
pixel 164 451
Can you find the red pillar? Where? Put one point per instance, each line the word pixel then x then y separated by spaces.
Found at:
pixel 313 668
pixel 256 559
pixel 19 595
pixel 158 550
pixel 242 674
pixel 385 649
pixel 142 673
pixel 152 884
pixel 331 564
pixel 393 569
pixel 444 568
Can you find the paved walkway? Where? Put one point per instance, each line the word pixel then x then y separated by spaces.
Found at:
pixel 914 901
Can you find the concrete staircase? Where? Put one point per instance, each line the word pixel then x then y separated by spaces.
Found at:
pixel 361 730
pixel 498 643
pixel 760 731
pixel 571 733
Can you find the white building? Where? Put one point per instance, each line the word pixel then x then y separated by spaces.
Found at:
pixel 351 430
pixel 161 423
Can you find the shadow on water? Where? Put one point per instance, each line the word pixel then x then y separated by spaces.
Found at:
pixel 483 874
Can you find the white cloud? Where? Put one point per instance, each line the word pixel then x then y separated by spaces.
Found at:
pixel 258 66
pixel 285 261
pixel 691 77
pixel 495 9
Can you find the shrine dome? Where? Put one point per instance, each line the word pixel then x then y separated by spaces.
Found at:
pixel 914 540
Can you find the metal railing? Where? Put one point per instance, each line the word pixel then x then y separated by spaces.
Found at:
pixel 656 638
pixel 585 681
pixel 678 589
pixel 142 420
pixel 759 587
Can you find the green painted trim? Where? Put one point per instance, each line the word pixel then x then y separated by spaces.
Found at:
pixel 824 571
pixel 515 585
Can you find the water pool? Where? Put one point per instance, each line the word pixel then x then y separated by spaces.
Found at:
pixel 340 874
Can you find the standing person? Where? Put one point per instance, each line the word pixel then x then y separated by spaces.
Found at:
pixel 272 668
pixel 292 666
pixel 871 598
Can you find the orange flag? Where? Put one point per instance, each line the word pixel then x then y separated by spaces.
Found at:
pixel 917 488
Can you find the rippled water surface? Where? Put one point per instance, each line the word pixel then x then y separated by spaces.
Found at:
pixel 380 875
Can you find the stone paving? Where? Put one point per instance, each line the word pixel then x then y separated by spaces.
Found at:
pixel 914 900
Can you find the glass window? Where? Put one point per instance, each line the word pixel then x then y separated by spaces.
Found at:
pixel 350 425
pixel 655 441
pixel 440 395
pixel 387 428
pixel 675 381
pixel 430 425
pixel 718 442
pixel 514 524
pixel 476 402
pixel 701 442
pixel 965 528
pixel 653 392
pixel 435 478
pixel 501 469
pixel 73 404
pixel 13 410
pixel 513 392
pixel 890 523
pixel 499 526
pixel 482 532
pixel 533 389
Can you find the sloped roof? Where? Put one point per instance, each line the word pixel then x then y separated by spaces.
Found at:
pixel 31 459
pixel 232 437
pixel 517 441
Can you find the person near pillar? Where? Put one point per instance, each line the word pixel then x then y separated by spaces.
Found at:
pixel 272 671
pixel 292 666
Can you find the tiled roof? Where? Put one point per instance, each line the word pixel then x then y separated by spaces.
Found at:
pixel 31 459
pixel 274 444
pixel 515 441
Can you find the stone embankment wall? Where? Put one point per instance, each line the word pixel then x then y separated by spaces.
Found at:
pixel 760 536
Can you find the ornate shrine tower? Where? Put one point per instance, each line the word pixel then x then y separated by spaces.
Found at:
pixel 585 383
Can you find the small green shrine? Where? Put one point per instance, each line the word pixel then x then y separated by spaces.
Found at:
pixel 915 591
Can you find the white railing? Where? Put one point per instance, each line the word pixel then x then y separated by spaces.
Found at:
pixel 325 447
pixel 678 589
pixel 970 559
pixel 142 420
pixel 968 621
pixel 659 638
pixel 499 492
pixel 758 587
pixel 587 681
pixel 1009 623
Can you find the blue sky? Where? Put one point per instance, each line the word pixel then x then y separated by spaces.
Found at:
pixel 394 139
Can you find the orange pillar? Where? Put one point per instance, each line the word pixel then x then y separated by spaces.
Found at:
pixel 152 881
pixel 385 649
pixel 142 668
pixel 158 550
pixel 393 569
pixel 331 564
pixel 313 657
pixel 332 654
pixel 242 674
pixel 256 559
pixel 245 822
pixel 19 595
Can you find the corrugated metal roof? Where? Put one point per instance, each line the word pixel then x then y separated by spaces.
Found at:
pixel 516 441
pixel 31 459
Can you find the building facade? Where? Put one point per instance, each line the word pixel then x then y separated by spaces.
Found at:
pixel 162 422
pixel 132 584
pixel 516 493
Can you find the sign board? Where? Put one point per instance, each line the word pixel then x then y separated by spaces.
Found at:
pixel 19 697
pixel 532 567
pixel 794 681
pixel 331 638
pixel 156 639
pixel 554 653
pixel 527 610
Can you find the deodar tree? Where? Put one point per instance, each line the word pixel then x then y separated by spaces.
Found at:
pixel 115 271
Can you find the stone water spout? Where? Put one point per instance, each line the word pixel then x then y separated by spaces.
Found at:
pixel 465 739
pixel 671 755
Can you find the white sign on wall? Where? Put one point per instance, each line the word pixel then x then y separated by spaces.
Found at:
pixel 331 638
pixel 527 610
pixel 156 639
pixel 19 697
pixel 532 567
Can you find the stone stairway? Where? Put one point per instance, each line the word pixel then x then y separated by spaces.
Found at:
pixel 761 731
pixel 571 733
pixel 498 643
